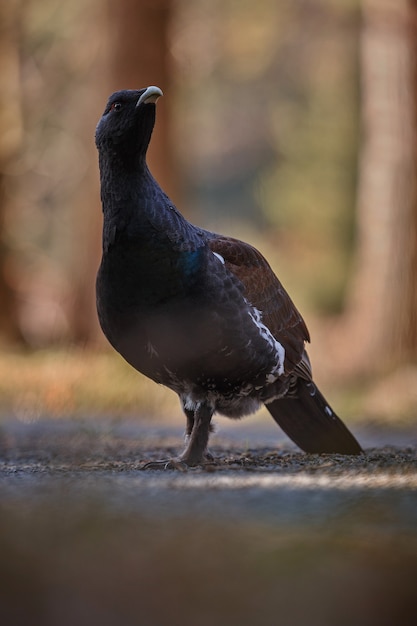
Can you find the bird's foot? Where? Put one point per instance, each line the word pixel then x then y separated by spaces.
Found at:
pixel 166 464
pixel 182 464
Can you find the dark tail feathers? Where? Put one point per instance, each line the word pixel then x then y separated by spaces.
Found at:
pixel 305 416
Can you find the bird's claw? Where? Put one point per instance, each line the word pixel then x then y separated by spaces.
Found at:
pixel 166 464
pixel 182 464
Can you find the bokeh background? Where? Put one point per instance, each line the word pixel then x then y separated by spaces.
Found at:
pixel 291 124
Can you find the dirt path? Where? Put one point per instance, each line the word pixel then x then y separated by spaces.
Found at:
pixel 274 482
pixel 264 530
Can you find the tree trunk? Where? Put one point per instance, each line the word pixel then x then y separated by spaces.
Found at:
pixel 10 142
pixel 380 328
pixel 411 303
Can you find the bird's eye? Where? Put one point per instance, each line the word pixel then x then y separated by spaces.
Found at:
pixel 116 106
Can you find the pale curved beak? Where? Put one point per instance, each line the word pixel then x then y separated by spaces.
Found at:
pixel 150 95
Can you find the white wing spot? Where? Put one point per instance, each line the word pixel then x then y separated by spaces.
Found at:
pixel 312 389
pixel 219 256
pixel 269 337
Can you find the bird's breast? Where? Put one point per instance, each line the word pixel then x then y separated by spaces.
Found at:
pixel 181 319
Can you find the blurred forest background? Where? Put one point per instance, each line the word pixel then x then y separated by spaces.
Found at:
pixel 289 123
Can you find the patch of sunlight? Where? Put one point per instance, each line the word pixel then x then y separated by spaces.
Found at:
pixel 383 480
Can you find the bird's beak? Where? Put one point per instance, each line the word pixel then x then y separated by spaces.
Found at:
pixel 150 95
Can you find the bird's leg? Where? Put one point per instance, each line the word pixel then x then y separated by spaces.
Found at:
pixel 198 432
pixel 189 414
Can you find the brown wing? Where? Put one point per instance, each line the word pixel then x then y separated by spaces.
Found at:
pixel 264 291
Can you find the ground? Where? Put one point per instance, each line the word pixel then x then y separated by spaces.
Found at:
pixel 263 535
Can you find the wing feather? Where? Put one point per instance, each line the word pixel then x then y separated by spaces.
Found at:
pixel 264 291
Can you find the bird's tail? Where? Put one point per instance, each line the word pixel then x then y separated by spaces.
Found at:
pixel 305 416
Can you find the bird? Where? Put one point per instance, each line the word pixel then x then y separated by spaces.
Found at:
pixel 198 312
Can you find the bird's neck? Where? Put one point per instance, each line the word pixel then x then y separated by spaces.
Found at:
pixel 135 206
pixel 120 185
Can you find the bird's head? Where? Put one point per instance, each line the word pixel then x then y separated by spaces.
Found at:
pixel 125 128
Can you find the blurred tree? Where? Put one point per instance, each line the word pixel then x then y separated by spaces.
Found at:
pixel 47 120
pixel 381 320
pixel 10 143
